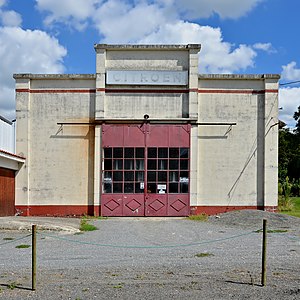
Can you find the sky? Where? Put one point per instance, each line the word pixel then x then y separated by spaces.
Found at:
pixel 237 37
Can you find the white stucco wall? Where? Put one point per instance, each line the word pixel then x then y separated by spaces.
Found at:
pixel 59 164
pixel 237 165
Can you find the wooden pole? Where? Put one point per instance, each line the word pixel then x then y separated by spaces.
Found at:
pixel 33 257
pixel 264 254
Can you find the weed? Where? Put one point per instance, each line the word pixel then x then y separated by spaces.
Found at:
pixel 204 254
pixel 8 239
pixel 85 226
pixel 118 286
pixel 202 217
pixel 12 285
pixel 23 246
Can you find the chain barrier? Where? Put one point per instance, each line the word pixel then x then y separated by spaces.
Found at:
pixel 145 247
pixel 15 240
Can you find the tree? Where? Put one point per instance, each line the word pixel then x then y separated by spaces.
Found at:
pixel 297 118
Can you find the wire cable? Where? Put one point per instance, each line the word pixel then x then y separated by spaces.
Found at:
pixel 150 246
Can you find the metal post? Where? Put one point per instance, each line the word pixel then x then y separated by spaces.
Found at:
pixel 264 254
pixel 33 257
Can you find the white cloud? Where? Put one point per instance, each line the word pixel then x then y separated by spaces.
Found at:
pixel 25 51
pixel 289 100
pixel 264 47
pixel 233 9
pixel 290 72
pixel 119 22
pixel 71 12
pixel 213 46
pixel 10 18
pixel 2 2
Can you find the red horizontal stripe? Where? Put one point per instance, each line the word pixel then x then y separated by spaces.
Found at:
pixel 83 91
pixel 147 91
pixel 214 210
pixel 236 91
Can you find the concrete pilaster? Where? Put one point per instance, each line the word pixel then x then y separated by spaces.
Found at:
pixel 100 83
pixel 23 141
pixel 271 142
pixel 97 168
pixel 193 82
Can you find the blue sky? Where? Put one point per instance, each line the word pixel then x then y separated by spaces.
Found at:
pixel 57 36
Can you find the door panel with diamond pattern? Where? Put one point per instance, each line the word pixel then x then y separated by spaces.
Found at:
pixel 145 170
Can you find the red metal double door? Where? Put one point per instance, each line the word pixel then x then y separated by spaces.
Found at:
pixel 145 170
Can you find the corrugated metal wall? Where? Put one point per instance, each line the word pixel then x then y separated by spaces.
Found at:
pixel 7 135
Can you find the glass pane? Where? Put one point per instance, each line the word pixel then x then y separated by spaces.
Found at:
pixel 118 176
pixel 107 153
pixel 162 164
pixel 151 188
pixel 129 176
pixel 152 164
pixel 174 152
pixel 128 187
pixel 107 188
pixel 184 187
pixel 184 152
pixel 138 188
pixel 173 188
pixel 184 164
pixel 173 176
pixel 162 176
pixel 174 164
pixel 163 152
pixel 139 164
pixel 118 152
pixel 108 164
pixel 151 176
pixel 117 188
pixel 184 174
pixel 118 164
pixel 129 164
pixel 129 152
pixel 139 176
pixel 139 152
pixel 152 152
pixel 107 176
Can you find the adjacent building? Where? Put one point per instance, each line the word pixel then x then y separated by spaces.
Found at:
pixel 146 136
pixel 9 165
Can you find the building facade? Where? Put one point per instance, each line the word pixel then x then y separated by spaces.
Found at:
pixel 146 136
pixel 9 165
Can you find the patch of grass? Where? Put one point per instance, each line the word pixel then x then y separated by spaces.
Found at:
pixel 118 286
pixel 23 246
pixel 294 209
pixel 204 254
pixel 8 239
pixel 202 217
pixel 85 226
pixel 12 285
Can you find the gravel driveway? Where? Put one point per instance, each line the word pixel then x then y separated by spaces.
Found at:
pixel 157 258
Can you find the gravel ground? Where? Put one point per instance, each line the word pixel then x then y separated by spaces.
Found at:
pixel 157 258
